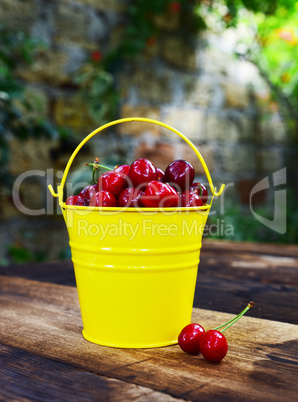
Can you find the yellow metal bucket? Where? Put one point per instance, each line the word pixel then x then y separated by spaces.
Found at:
pixel 135 268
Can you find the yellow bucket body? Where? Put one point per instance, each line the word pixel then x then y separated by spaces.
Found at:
pixel 135 268
pixel 135 272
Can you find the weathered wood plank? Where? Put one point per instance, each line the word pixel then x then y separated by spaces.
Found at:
pixel 262 363
pixel 273 301
pixel 230 275
pixel 252 248
pixel 262 267
pixel 59 272
pixel 28 377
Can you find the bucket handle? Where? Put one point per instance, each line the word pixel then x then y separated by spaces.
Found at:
pixel 125 120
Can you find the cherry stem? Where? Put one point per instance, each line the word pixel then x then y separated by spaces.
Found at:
pixel 95 166
pixel 233 320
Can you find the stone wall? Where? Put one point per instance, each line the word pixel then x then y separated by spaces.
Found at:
pixel 217 101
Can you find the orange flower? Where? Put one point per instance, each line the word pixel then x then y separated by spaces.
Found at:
pixel 285 77
pixel 227 18
pixel 288 35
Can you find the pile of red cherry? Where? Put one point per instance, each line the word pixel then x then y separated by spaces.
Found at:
pixel 212 344
pixel 141 184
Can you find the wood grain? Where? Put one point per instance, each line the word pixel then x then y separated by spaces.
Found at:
pixel 230 273
pixel 27 377
pixel 252 248
pixel 262 364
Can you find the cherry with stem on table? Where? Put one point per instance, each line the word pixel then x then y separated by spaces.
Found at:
pixel 212 344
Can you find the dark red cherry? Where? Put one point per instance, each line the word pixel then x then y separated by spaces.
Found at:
pixel 112 181
pixel 180 173
pixel 201 190
pixel 73 199
pixel 160 174
pixel 130 197
pixel 190 199
pixel 189 338
pixel 213 345
pixel 103 199
pixel 158 194
pixel 83 202
pixel 141 172
pixel 88 191
pixel 124 171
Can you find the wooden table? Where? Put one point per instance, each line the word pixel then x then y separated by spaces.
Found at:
pixel 45 358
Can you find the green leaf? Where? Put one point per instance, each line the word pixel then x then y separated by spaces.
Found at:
pixel 13 89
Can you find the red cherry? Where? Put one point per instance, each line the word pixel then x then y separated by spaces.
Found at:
pixel 141 172
pixel 73 199
pixel 191 199
pixel 122 169
pixel 96 56
pixel 130 197
pixel 201 190
pixel 189 338
pixel 158 194
pixel 160 174
pixel 83 202
pixel 180 174
pixel 113 182
pixel 103 199
pixel 213 345
pixel 88 191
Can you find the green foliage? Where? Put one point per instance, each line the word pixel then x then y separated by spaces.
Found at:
pixel 20 255
pixel 98 90
pixel 245 227
pixel 273 48
pixel 278 53
pixel 15 48
pixel 65 253
pixel 16 119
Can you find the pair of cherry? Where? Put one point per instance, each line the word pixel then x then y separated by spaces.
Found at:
pixel 144 185
pixel 212 344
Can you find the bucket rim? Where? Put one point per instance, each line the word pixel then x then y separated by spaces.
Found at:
pixel 203 208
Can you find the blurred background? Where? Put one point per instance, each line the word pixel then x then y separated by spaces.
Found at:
pixel 222 72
